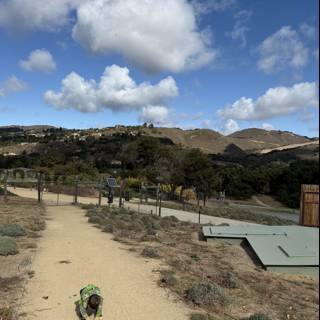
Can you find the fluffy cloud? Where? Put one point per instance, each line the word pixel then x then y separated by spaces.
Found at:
pixel 39 60
pixel 116 91
pixel 155 35
pixel 282 49
pixel 158 115
pixel 230 126
pixel 240 30
pixel 22 15
pixel 308 31
pixel 275 102
pixel 267 126
pixel 12 84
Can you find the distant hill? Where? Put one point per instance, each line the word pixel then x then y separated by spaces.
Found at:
pixel 209 141
pixel 13 128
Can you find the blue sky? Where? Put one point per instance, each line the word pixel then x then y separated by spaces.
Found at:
pixel 219 64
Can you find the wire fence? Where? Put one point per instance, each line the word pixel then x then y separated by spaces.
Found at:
pixel 64 189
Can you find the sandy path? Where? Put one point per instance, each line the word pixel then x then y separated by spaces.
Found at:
pixel 127 281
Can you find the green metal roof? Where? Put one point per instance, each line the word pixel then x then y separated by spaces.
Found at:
pixel 275 245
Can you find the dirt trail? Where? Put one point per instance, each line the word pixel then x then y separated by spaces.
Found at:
pixel 90 256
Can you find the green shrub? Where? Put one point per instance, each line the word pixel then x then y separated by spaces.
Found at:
pixel 229 280
pixel 207 294
pixel 8 246
pixel 150 252
pixel 259 316
pixel 95 220
pixel 13 230
pixel 168 278
pixel 37 225
pixel 108 228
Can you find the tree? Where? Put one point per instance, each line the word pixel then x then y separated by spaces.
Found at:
pixel 168 168
pixel 199 174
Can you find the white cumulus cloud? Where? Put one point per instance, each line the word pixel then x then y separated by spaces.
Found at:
pixel 279 101
pixel 152 34
pixel 32 15
pixel 282 49
pixel 39 60
pixel 158 115
pixel 230 126
pixel 116 90
pixel 12 84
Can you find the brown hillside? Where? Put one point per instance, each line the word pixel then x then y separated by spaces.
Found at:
pixel 213 142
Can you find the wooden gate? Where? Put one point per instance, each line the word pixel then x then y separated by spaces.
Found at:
pixel 309 208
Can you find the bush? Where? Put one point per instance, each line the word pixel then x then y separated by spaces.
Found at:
pixel 150 252
pixel 168 278
pixel 13 230
pixel 259 316
pixel 108 228
pixel 37 225
pixel 95 220
pixel 6 313
pixel 229 280
pixel 8 246
pixel 207 294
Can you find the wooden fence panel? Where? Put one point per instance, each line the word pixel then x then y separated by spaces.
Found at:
pixel 309 211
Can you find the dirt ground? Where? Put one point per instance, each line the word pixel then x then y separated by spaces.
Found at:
pixel 243 287
pixel 73 254
pixel 15 270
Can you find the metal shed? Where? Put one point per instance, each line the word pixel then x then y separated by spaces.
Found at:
pixel 287 249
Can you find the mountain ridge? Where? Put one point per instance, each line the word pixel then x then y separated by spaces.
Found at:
pixel 251 140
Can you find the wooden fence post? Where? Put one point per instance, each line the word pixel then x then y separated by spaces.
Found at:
pixel 39 186
pixel 157 198
pixel 6 186
pixel 100 193
pixel 76 190
pixel 160 203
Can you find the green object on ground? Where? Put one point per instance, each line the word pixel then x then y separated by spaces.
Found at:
pixel 13 230
pixel 8 246
pixel 85 295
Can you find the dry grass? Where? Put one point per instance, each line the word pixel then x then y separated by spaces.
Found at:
pixel 248 289
pixel 29 216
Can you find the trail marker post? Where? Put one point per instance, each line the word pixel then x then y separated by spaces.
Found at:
pixel 200 208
